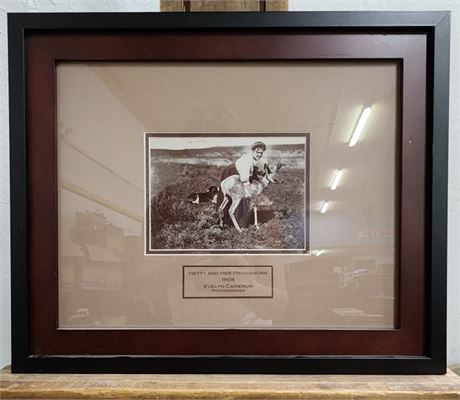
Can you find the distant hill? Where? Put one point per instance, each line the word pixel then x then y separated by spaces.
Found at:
pixel 226 151
pixel 291 155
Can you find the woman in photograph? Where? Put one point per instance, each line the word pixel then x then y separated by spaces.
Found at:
pixel 247 167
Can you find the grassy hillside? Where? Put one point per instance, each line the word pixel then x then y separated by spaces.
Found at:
pixel 178 224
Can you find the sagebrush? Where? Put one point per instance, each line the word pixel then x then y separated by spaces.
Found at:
pixel 178 224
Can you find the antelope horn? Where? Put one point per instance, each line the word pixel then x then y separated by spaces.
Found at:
pixel 278 166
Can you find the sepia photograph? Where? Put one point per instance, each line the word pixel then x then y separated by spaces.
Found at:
pixel 227 193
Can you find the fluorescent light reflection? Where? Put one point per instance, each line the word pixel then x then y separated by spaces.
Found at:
pixel 336 180
pixel 324 207
pixel 359 126
pixel 319 252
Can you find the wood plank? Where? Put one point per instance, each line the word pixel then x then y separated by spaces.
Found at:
pixel 225 5
pixel 369 387
pixel 277 5
pixel 172 6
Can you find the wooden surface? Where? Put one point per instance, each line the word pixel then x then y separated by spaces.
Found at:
pixel 47 386
pixel 277 5
pixel 219 5
pixel 172 5
pixel 224 5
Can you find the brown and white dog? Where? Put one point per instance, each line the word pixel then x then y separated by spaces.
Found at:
pixel 209 197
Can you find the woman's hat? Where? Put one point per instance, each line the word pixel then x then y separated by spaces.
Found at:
pixel 259 145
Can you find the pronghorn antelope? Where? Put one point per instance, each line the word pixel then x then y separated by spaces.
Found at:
pixel 232 188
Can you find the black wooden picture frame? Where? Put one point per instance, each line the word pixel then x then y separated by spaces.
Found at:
pixel 28 353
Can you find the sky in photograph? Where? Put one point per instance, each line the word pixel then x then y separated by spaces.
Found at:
pixel 181 143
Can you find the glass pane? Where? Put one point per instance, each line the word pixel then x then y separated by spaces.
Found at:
pixel 138 141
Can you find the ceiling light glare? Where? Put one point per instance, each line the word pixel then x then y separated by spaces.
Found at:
pixel 336 180
pixel 360 126
pixel 318 252
pixel 324 207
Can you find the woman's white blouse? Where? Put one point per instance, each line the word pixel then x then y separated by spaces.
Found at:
pixel 245 166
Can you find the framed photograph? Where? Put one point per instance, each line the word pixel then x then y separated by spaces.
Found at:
pixel 229 193
pixel 178 165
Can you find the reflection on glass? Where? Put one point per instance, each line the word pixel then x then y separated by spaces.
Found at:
pixel 348 278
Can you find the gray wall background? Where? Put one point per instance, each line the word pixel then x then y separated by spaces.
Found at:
pixel 453 326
